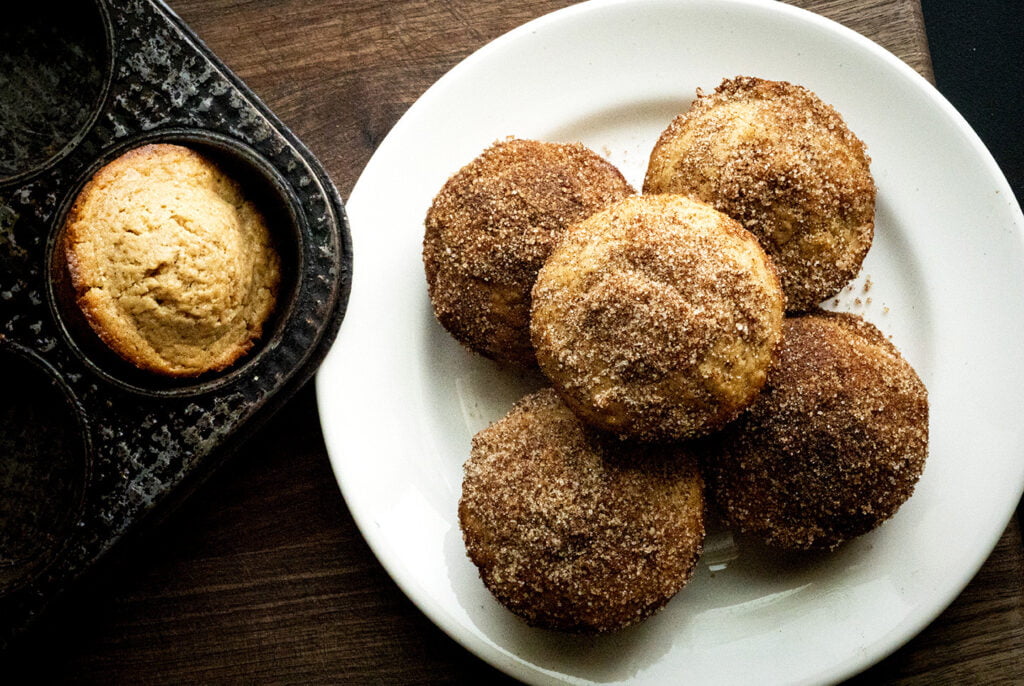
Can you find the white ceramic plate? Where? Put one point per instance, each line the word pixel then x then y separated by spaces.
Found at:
pixel 400 399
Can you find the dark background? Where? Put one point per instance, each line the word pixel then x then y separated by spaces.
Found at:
pixel 977 51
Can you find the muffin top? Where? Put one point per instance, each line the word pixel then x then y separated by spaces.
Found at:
pixel 576 530
pixel 656 318
pixel 172 266
pixel 491 227
pixel 784 164
pixel 832 447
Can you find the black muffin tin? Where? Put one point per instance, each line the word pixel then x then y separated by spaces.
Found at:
pixel 90 446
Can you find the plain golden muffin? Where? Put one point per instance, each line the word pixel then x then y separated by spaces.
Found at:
pixel 783 163
pixel 490 229
pixel 657 317
pixel 834 444
pixel 172 266
pixel 576 530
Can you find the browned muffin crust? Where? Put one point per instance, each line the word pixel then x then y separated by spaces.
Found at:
pixel 656 318
pixel 575 530
pixel 834 444
pixel 775 157
pixel 172 266
pixel 492 225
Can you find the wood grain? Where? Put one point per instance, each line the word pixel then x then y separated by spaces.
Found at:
pixel 262 575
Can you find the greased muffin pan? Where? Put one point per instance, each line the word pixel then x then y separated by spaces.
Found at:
pixel 89 445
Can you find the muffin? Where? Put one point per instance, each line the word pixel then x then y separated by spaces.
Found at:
pixel 492 225
pixel 575 530
pixel 656 318
pixel 834 444
pixel 173 268
pixel 776 158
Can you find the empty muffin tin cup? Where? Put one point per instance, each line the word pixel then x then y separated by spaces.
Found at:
pixel 55 58
pixel 44 465
pixel 261 184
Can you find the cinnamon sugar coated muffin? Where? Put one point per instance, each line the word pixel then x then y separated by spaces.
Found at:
pixel 172 266
pixel 492 225
pixel 834 444
pixel 576 530
pixel 656 318
pixel 776 158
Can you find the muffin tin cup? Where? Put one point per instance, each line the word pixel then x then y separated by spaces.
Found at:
pixel 45 460
pixel 58 63
pixel 278 202
pixel 132 442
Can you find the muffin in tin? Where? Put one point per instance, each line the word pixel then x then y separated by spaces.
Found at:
pixel 172 266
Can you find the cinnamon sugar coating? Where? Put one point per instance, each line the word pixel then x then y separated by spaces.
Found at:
pixel 784 164
pixel 576 530
pixel 834 444
pixel 492 225
pixel 656 318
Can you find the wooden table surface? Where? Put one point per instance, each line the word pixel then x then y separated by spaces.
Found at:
pixel 262 576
